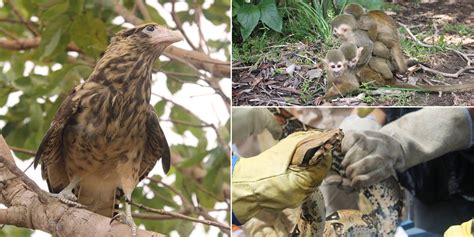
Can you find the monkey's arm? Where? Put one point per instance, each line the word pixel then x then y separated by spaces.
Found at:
pixel 362 40
pixel 347 85
pixel 380 50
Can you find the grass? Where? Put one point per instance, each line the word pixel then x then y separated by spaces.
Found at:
pixel 460 29
pixel 404 98
pixel 309 91
pixel 302 23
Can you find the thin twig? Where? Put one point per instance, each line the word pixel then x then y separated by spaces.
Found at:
pixel 202 40
pixel 143 9
pixel 454 75
pixel 187 204
pixel 225 228
pixel 219 138
pixel 425 68
pixel 23 150
pixel 22 19
pixel 7 33
pixel 179 25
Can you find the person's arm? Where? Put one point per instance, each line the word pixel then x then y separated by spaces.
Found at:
pixel 250 121
pixel 420 136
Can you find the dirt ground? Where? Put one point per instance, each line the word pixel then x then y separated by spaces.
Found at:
pixel 295 76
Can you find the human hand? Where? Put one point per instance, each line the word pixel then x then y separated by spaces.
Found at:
pixel 420 136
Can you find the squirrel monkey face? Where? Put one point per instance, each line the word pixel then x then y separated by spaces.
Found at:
pixel 335 63
pixel 342 30
pixel 336 68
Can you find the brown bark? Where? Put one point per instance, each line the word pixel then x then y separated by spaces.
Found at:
pixel 28 206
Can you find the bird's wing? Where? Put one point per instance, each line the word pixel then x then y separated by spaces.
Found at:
pixel 50 151
pixel 156 146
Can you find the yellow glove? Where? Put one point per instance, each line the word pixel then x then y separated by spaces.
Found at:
pixel 282 176
pixel 464 230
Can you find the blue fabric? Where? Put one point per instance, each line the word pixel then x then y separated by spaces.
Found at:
pixel 235 221
pixel 234 161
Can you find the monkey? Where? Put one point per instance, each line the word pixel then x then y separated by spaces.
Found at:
pixel 340 80
pixel 345 27
pixel 358 11
pixel 355 9
pixel 380 50
pixel 382 66
pixel 367 74
pixel 351 53
pixel 386 31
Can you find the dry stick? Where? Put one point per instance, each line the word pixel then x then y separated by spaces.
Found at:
pixel 222 226
pixel 455 75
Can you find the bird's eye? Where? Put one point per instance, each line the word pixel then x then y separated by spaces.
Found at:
pixel 150 28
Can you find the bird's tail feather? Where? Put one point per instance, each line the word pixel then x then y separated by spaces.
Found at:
pixel 99 197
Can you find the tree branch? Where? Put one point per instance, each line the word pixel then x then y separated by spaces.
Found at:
pixel 31 207
pixel 30 43
pixel 225 228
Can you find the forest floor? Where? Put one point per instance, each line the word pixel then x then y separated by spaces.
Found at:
pixel 292 73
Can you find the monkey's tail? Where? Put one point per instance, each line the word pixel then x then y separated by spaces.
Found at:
pixel 399 59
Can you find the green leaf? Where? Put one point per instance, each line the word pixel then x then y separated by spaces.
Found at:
pixel 155 16
pixel 89 33
pixel 270 15
pixel 55 10
pixel 173 85
pixel 160 108
pixel 76 6
pixel 184 227
pixel 24 84
pixel 4 93
pixel 53 43
pixel 248 16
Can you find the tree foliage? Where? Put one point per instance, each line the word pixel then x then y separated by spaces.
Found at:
pixel 65 38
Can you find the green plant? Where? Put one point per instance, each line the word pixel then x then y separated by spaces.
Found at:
pixel 249 14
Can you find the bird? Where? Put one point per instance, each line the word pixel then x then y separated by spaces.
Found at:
pixel 106 136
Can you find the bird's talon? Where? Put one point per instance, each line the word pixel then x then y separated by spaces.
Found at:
pixel 127 220
pixel 119 217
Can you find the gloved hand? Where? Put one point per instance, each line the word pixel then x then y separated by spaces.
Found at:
pixel 338 194
pixel 372 156
pixel 249 121
pixel 275 180
pixel 270 223
pixel 466 229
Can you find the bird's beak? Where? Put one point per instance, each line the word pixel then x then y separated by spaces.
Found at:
pixel 167 36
